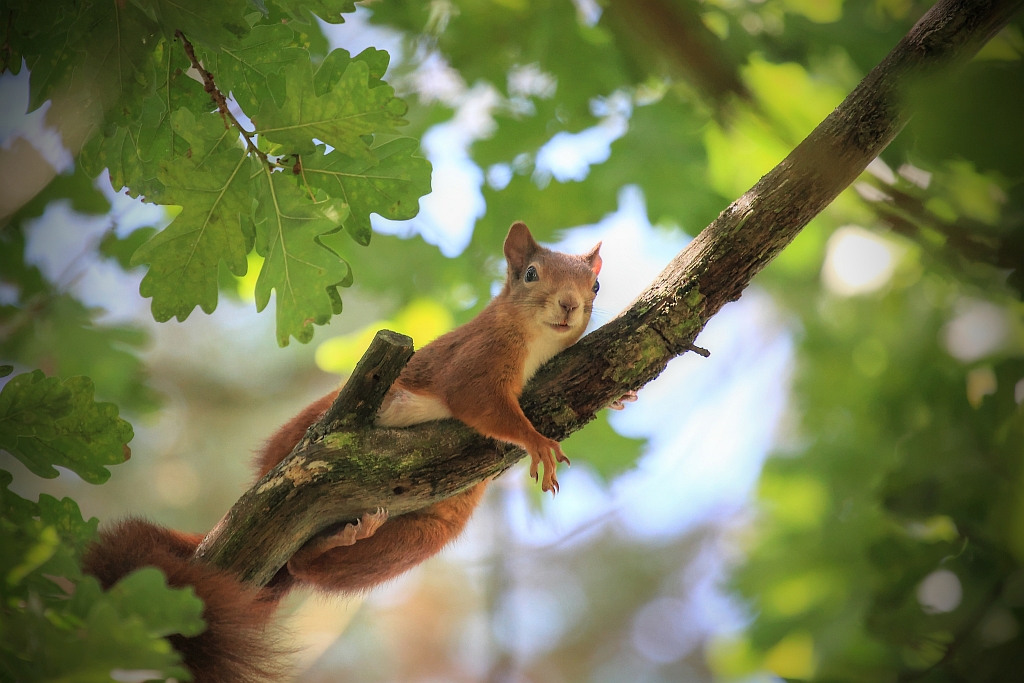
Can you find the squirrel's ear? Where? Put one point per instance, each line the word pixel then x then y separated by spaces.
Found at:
pixel 594 258
pixel 519 246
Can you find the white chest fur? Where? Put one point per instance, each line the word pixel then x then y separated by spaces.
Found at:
pixel 403 408
pixel 540 350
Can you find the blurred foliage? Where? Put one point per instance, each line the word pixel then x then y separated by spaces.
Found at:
pixel 898 471
pixel 904 474
pixel 44 325
pixel 55 622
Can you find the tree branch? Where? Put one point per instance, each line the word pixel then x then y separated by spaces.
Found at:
pixel 337 475
pixel 210 86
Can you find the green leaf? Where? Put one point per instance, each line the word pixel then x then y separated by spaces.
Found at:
pixel 328 10
pixel 121 249
pixel 6 370
pixel 391 188
pixel 205 134
pixel 65 516
pixel 57 623
pixel 35 557
pixel 10 56
pixel 333 68
pixel 121 155
pixel 62 336
pixel 339 118
pixel 296 265
pixel 214 191
pixel 133 152
pixel 251 70
pixel 602 448
pixel 87 637
pixel 116 38
pixel 211 23
pixel 164 611
pixel 30 406
pixel 174 89
pixel 50 56
pixel 44 422
pixel 55 544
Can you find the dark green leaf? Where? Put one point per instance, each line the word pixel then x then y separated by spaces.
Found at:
pixel 338 118
pixel 251 70
pixel 391 188
pixel 121 250
pixel 211 24
pixel 215 192
pixel 44 422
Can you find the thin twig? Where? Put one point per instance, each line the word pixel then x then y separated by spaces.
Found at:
pixel 218 98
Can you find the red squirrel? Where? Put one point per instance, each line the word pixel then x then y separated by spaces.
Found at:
pixel 474 373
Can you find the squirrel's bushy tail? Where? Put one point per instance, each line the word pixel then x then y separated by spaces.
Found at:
pixel 236 646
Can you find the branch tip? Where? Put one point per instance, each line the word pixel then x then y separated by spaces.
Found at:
pixel 360 399
pixel 698 350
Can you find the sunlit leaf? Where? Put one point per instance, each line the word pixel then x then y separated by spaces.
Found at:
pixel 339 118
pixel 46 422
pixel 297 267
pixel 391 188
pixel 215 192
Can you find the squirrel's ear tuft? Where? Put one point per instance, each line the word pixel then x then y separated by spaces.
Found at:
pixel 519 247
pixel 593 257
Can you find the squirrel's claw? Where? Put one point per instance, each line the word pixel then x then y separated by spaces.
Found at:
pixel 620 403
pixel 541 455
pixel 559 455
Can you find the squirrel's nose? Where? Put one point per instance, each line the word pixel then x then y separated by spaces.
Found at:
pixel 568 305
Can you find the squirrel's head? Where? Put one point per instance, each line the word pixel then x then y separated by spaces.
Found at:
pixel 556 291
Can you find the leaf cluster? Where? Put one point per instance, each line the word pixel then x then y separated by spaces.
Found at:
pixel 55 622
pixel 134 66
pixel 899 473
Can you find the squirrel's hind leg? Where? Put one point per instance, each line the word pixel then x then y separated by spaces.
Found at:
pixel 396 547
pixel 365 527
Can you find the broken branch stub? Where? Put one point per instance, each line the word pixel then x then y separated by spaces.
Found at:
pixel 359 400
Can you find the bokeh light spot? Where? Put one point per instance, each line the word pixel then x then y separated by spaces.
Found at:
pixel 858 261
pixel 940 592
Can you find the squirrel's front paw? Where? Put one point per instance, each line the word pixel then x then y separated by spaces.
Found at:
pixel 541 454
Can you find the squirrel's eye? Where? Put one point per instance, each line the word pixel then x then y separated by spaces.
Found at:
pixel 597 286
pixel 531 275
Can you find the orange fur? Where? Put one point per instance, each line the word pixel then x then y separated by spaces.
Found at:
pixel 400 544
pixel 236 646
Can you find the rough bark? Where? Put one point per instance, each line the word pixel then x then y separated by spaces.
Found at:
pixel 345 467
